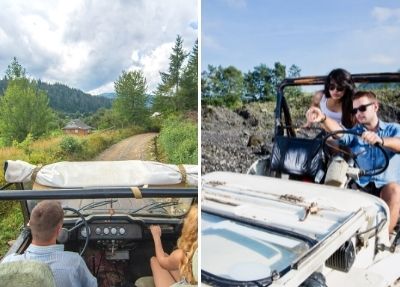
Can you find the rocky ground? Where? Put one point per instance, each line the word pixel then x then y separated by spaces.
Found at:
pixel 233 140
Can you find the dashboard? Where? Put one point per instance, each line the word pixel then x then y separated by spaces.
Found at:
pixel 112 230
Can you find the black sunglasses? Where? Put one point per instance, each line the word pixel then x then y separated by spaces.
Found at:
pixel 338 88
pixel 361 108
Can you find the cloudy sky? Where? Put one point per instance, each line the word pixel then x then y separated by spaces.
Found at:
pixel 359 35
pixel 86 44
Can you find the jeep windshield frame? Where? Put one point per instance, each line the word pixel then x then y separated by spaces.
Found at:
pixel 155 201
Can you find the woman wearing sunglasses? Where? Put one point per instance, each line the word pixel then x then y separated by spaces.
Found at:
pixel 335 100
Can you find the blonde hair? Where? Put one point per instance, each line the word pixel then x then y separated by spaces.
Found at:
pixel 187 242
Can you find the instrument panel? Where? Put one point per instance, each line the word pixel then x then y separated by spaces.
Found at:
pixel 112 230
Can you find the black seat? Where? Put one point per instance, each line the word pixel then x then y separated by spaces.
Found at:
pixel 298 157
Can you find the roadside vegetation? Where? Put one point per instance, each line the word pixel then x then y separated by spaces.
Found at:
pixel 178 141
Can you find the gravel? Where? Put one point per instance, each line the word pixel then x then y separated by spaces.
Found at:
pixel 231 140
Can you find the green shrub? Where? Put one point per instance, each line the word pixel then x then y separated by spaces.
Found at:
pixel 178 140
pixel 25 145
pixel 10 223
pixel 70 145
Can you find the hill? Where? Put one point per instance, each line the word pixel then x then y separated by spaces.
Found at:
pixel 68 100
pixel 111 96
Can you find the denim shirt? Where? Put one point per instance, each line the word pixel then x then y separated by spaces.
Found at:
pixel 69 269
pixel 370 157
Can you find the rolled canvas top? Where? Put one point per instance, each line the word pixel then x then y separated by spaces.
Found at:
pixel 101 173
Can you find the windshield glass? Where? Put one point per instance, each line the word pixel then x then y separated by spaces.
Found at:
pixel 169 207
pixel 258 253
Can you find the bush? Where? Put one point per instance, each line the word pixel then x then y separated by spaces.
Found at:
pixel 10 224
pixel 178 139
pixel 70 145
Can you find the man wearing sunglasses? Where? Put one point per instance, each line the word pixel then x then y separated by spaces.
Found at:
pixel 374 131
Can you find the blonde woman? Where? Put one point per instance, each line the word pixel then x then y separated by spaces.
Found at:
pixel 177 266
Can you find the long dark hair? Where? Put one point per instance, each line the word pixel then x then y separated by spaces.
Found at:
pixel 342 78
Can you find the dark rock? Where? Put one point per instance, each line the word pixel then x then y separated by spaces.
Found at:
pixel 255 140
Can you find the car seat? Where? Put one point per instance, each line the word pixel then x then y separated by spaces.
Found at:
pixel 300 158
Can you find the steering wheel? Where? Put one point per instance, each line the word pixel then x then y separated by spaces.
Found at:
pixel 351 154
pixel 78 224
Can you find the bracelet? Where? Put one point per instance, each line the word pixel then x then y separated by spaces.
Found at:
pixel 382 141
pixel 324 119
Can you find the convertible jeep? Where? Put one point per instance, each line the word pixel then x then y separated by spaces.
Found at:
pixel 109 207
pixel 294 219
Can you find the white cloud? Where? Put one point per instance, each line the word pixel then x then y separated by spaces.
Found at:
pixel 86 44
pixel 106 88
pixel 371 49
pixel 3 36
pixel 152 62
pixel 382 14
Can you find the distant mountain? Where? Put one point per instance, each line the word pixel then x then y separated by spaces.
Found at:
pixel 111 96
pixel 68 100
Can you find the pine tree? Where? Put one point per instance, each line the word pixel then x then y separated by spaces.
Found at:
pixel 188 93
pixel 15 70
pixel 130 103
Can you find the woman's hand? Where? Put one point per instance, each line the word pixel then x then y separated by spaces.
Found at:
pixel 155 230
pixel 314 115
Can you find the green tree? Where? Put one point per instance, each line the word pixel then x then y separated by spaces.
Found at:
pixel 222 86
pixel 294 71
pixel 130 103
pixel 177 59
pixel 171 81
pixel 295 92
pixel 258 83
pixel 24 109
pixel 187 96
pixel 15 70
pixel 279 74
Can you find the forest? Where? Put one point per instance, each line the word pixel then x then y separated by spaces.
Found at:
pixel 66 100
pixel 231 87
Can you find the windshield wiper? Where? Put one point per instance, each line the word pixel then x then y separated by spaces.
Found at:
pixel 163 204
pixel 97 204
pixel 156 205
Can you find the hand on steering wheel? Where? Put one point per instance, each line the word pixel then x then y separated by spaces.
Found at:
pixel 368 137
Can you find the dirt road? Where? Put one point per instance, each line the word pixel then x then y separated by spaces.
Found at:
pixel 135 147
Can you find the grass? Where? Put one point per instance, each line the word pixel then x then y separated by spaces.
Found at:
pixel 178 141
pixel 10 224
